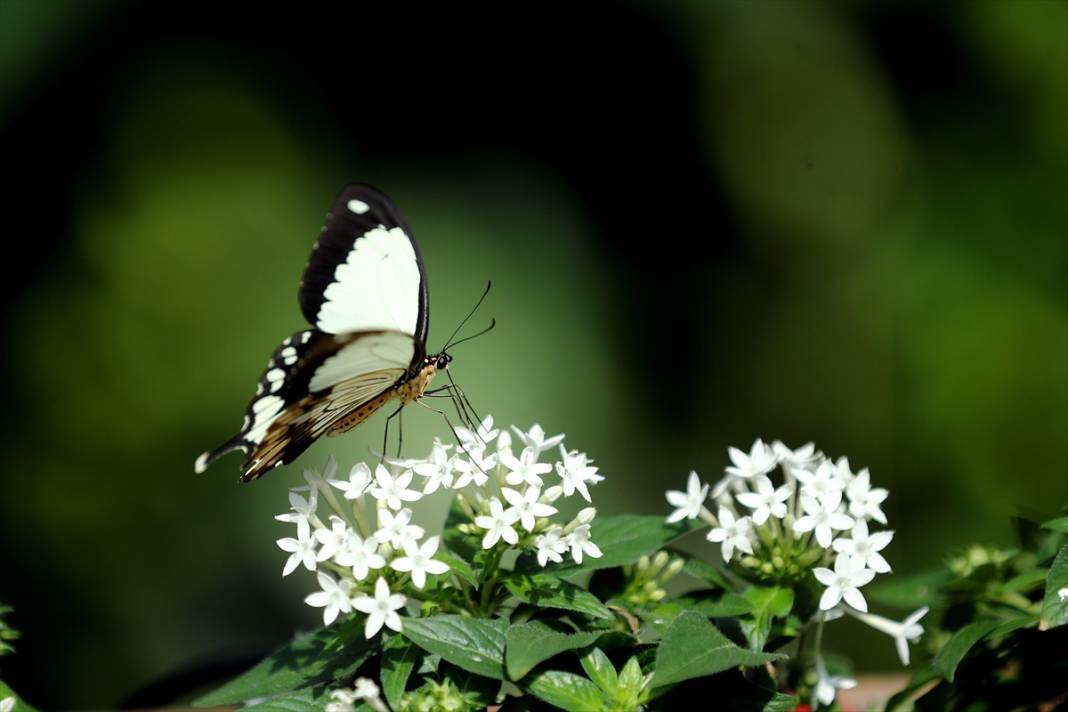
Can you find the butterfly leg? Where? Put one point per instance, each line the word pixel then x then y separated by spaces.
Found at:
pixel 466 400
pixel 455 435
pixel 385 435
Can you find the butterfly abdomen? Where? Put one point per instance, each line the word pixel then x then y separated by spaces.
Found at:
pixel 362 413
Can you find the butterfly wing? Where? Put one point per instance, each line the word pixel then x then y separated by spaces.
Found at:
pixel 314 380
pixel 365 272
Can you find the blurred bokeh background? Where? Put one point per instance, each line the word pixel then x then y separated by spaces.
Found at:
pixel 705 222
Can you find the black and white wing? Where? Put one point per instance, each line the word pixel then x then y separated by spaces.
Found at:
pixel 313 381
pixel 365 272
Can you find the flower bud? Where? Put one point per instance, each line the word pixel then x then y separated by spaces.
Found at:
pixel 672 570
pixel 552 494
pixel 643 564
pixel 586 515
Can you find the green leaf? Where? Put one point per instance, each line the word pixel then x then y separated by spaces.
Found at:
pixel 551 592
pixel 297 701
pixel 399 658
pixel 704 571
pixel 1055 607
pixel 767 603
pixel 456 541
pixel 475 644
pixel 531 643
pixel 567 691
pixel 458 566
pixel 711 604
pixel 310 660
pixel 1057 525
pixel 902 701
pixel 20 704
pixel 630 677
pixel 601 670
pixel 622 540
pixel 949 657
pixel 693 647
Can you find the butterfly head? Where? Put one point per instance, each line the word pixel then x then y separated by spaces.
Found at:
pixel 441 361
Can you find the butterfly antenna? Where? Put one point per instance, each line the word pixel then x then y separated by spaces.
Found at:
pixel 493 323
pixel 470 314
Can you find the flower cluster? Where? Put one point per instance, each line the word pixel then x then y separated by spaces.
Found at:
pixel 366 549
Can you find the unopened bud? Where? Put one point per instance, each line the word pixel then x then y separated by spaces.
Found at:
pixel 657 595
pixel 643 564
pixel 551 495
pixel 672 570
pixel 659 562
pixel 586 515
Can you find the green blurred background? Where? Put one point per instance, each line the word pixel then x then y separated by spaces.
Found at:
pixel 705 222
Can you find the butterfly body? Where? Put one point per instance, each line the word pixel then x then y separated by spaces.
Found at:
pixel 407 390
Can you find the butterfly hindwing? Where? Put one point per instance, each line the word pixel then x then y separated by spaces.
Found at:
pixel 365 272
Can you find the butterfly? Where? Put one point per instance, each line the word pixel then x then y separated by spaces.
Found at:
pixel 364 291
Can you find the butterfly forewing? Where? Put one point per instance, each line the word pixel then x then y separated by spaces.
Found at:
pixel 365 272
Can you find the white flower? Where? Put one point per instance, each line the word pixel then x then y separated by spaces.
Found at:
pixel 844 583
pixel 822 515
pixel 393 490
pixel 361 555
pixel 866 548
pixel 498 524
pixel 687 504
pixel 827 684
pixel 332 540
pixel 824 482
pixel 341 701
pixel 356 485
pixel 766 501
pixel 580 543
pixel 437 468
pixel 333 599
pixel 1062 594
pixel 525 469
pixel 316 479
pixel 575 471
pixel 474 467
pixel 395 529
pixel 303 511
pixel 483 435
pixel 536 440
pixel 551 546
pixel 731 533
pixel 526 506
pixel 382 609
pixel 903 633
pixel 7 704
pixel 365 688
pixel 419 561
pixel 301 551
pixel 800 459
pixel 760 460
pixel 864 500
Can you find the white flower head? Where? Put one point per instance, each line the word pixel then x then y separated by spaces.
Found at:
pixel 498 524
pixel 767 501
pixel 321 480
pixel 524 469
pixel 866 547
pixel 551 546
pixel 687 504
pixel 800 458
pixel 365 689
pixel 393 490
pixel 581 544
pixel 301 551
pixel 437 469
pixel 759 461
pixel 419 561
pixel 526 506
pixel 361 555
pixel 303 510
pixel 380 609
pixel 864 500
pixel 334 598
pixel 844 583
pixel 397 529
pixel 332 540
pixel 732 533
pixel 575 470
pixel 822 515
pixel 903 633
pixel 474 467
pixel 827 685
pixel 1062 594
pixel 824 482
pixel 536 440
pixel 357 483
pixel 483 435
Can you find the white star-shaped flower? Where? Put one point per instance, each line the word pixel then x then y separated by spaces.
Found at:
pixel 766 501
pixel 419 561
pixel 437 469
pixel 903 633
pixel 334 598
pixel 732 533
pixel 357 483
pixel 396 529
pixel 687 504
pixel 365 689
pixel 580 543
pixel 333 539
pixel 393 490
pixel 303 511
pixel 822 515
pixel 844 583
pixel 866 547
pixel 301 551
pixel 1062 594
pixel 361 555
pixel 760 461
pixel 824 482
pixel 498 524
pixel 551 546
pixel 865 500
pixel 482 436
pixel 527 507
pixel 827 685
pixel 536 440
pixel 474 467
pixel 381 610
pixel 575 471
pixel 800 458
pixel 525 469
